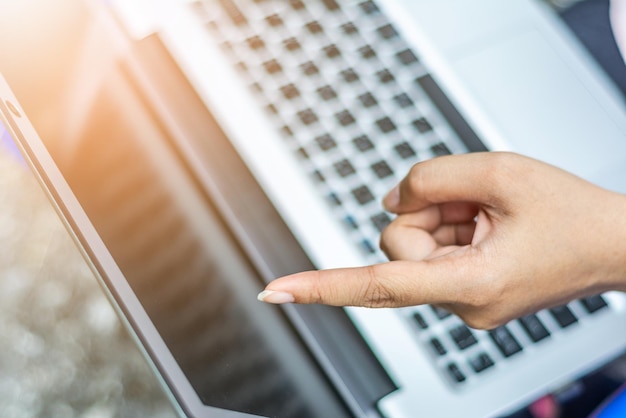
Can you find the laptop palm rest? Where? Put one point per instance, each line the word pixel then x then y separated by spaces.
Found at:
pixel 552 110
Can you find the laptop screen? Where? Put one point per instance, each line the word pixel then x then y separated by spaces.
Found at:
pixel 181 263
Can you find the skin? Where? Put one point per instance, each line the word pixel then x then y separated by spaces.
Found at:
pixel 488 236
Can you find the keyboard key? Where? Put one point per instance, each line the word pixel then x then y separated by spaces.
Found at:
pixel 440 313
pixel 307 116
pixel 368 100
pixel 385 76
pixel 420 321
pixel 331 5
pixel 381 221
pixel 382 169
pixel 345 118
pixel 327 93
pixel 456 373
pixel 200 10
pixel 317 175
pixel 406 57
pixel 233 12
pixel 287 131
pixel 367 52
pixel 344 168
pixel 387 32
pixel 309 68
pixel 332 51
pixel 349 75
pixel 403 100
pixel 297 5
pixel 563 316
pixel 463 337
pixel 368 247
pixel 386 125
pixel 349 28
pixel 481 362
pixel 363 143
pixel 255 43
pixel 334 199
pixel 422 125
pixel 272 109
pixel 272 66
pixel 438 347
pixel 292 44
pixel 363 195
pixel 227 46
pixel 369 7
pixel 504 340
pixel 325 142
pixel 405 150
pixel 351 222
pixel 534 328
pixel 302 152
pixel 440 149
pixel 274 20
pixel 314 27
pixel 242 66
pixel 593 304
pixel 290 91
pixel 213 25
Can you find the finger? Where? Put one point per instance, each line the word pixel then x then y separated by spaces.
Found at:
pixel 454 178
pixel 417 245
pixel 393 284
pixel 459 234
pixel 414 236
pixel 434 216
pixel 400 242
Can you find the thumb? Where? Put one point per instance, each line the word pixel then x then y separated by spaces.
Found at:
pixel 393 284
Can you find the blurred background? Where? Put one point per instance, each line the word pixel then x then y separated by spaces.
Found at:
pixel 63 350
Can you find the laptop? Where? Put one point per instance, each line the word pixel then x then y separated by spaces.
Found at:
pixel 241 139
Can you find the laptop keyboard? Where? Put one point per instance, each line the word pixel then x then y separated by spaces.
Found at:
pixel 342 87
pixel 344 90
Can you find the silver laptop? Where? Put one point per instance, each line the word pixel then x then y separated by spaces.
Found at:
pixel 325 105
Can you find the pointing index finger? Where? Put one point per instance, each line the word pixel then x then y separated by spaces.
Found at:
pixel 393 284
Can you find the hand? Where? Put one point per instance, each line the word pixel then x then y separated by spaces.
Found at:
pixel 488 236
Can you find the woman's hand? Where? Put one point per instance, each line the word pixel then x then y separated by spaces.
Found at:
pixel 488 236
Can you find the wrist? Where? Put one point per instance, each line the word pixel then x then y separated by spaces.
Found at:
pixel 616 237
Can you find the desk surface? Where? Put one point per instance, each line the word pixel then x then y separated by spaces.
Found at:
pixel 63 351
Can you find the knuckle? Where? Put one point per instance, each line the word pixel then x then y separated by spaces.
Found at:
pixel 486 310
pixel 323 291
pixel 316 294
pixel 417 176
pixel 388 236
pixel 495 167
pixel 502 169
pixel 483 321
pixel 377 294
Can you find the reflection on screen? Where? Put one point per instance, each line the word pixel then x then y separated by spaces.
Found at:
pixel 171 266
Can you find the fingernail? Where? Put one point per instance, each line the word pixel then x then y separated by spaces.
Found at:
pixel 392 200
pixel 275 297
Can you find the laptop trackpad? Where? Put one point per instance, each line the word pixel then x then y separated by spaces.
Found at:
pixel 545 106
